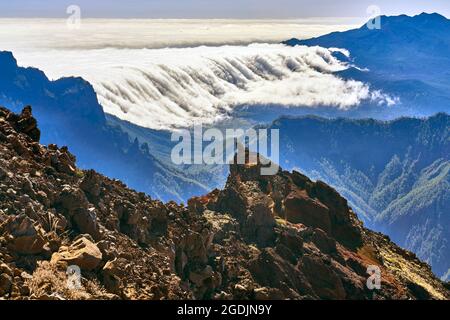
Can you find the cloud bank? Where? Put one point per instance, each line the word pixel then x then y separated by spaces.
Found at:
pixel 25 34
pixel 170 88
pixel 164 74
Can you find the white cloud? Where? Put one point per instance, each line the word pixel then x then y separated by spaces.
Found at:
pixel 177 87
pixel 25 34
pixel 140 80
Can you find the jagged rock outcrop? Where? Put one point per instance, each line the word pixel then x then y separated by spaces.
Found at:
pixel 261 237
pixel 395 174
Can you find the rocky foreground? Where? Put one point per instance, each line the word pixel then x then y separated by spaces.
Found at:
pixel 276 237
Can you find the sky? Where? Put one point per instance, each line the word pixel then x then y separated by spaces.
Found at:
pixel 202 9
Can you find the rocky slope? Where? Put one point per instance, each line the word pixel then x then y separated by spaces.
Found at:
pixel 278 237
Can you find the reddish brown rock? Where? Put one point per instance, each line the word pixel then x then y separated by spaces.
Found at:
pixel 271 270
pixel 91 185
pixel 301 208
pixel 85 220
pixel 82 253
pixel 26 237
pixel 324 281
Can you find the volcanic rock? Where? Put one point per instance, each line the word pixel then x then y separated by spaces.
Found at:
pixel 261 237
pixel 26 237
pixel 82 253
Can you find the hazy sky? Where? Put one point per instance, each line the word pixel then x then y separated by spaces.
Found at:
pixel 248 9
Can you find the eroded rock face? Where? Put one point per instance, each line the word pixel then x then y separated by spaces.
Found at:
pixel 261 237
pixel 300 208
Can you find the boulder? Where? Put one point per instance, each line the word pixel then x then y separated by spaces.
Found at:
pixel 198 204
pixel 66 163
pixel 223 225
pixel 291 238
pixel 82 253
pixel 19 146
pixel 111 276
pixel 72 198
pixel 86 221
pixel 198 277
pixel 323 242
pixel 205 281
pixel 194 248
pixel 259 223
pixel 27 238
pixel 5 269
pixel 300 208
pixel 28 125
pixel 91 184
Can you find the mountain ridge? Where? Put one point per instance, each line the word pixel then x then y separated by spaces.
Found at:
pixel 404 58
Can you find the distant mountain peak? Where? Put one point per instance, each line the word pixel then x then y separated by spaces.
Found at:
pixel 421 16
pixel 401 38
pixel 7 60
pixel 422 22
pixel 428 23
pixel 433 15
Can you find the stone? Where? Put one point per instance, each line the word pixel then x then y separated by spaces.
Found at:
pixel 86 221
pixel 4 268
pixel 323 241
pixel 271 270
pixel 291 238
pixel 223 225
pixel 28 124
pixel 26 238
pixel 195 248
pixel 111 278
pixel 82 253
pixel 18 146
pixel 300 208
pixel 72 198
pixel 43 198
pixel 65 163
pixel 91 184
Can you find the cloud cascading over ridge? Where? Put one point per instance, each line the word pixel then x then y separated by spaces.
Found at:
pixel 177 87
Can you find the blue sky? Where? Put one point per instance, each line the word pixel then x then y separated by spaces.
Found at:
pixel 251 9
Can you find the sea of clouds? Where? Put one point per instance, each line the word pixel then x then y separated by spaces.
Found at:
pixel 25 34
pixel 177 87
pixel 170 87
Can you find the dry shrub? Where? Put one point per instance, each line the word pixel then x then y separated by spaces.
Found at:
pixel 48 282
